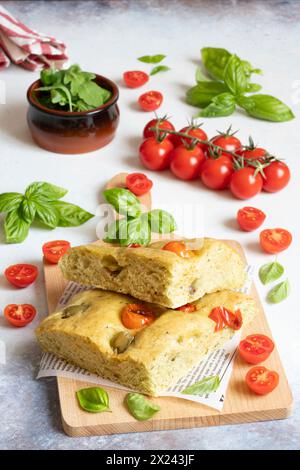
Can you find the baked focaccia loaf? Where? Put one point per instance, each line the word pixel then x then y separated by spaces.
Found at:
pixel 89 333
pixel 156 275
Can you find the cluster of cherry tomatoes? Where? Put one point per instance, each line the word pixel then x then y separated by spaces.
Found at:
pixel 221 162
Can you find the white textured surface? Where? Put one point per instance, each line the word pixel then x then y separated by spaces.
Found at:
pixel 106 37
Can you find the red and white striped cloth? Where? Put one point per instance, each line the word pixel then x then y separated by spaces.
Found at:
pixel 27 47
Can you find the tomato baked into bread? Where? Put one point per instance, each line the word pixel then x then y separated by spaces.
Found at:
pixel 90 333
pixel 154 274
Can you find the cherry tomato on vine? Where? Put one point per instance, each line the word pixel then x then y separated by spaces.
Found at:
pixel 250 218
pixel 261 380
pixel 227 141
pixel 135 78
pixel 138 183
pixel 135 316
pixel 256 348
pixel 256 153
pixel 155 154
pixel 275 240
pixel 216 172
pixel 21 275
pixel 246 183
pixel 186 162
pixel 179 248
pixel 19 315
pixel 54 250
pixel 193 131
pixel 151 100
pixel 277 176
pixel 162 123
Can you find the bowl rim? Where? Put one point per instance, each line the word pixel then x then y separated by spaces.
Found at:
pixel 56 112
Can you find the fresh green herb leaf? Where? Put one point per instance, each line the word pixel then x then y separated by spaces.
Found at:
pixel 235 76
pixel 141 408
pixel 203 387
pixel 161 221
pixel 221 105
pixel 159 68
pixel 123 201
pixel 28 210
pixel 15 227
pixel 49 76
pixel 64 93
pixel 215 60
pixel 45 190
pixel 46 214
pixel 93 399
pixel 280 292
pixel 201 94
pixel 270 272
pixel 70 215
pixel 266 107
pixel 10 201
pixel 138 231
pixel 249 70
pixel 253 88
pixel 152 59
pixel 116 231
pixel 200 77
pixel 93 95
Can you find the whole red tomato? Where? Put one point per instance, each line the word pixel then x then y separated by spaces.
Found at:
pixel 193 131
pixel 216 172
pixel 155 154
pixel 161 123
pixel 227 141
pixel 277 176
pixel 246 183
pixel 186 162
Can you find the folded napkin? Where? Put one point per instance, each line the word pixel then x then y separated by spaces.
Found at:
pixel 27 47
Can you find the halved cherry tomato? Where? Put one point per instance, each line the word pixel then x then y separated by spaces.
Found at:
pixel 151 100
pixel 138 183
pixel 250 218
pixel 256 348
pixel 156 154
pixel 161 123
pixel 277 176
pixel 246 183
pixel 224 317
pixel 134 245
pixel 216 172
pixel 227 141
pixel 135 316
pixel 261 380
pixel 179 248
pixel 188 308
pixel 275 240
pixel 186 162
pixel 19 315
pixel 21 275
pixel 193 131
pixel 135 78
pixel 54 250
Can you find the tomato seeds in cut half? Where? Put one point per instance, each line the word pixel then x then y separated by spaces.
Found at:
pixel 135 78
pixel 250 218
pixel 255 349
pixel 21 275
pixel 150 101
pixel 138 183
pixel 19 315
pixel 261 380
pixel 54 250
pixel 275 240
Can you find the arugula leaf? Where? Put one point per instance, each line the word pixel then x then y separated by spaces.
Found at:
pixel 141 408
pixel 270 272
pixel 266 107
pixel 203 387
pixel 93 399
pixel 15 227
pixel 93 95
pixel 221 105
pixel 215 60
pixel 235 76
pixel 46 214
pixel 123 201
pixel 45 190
pixel 201 94
pixel 63 92
pixel 161 221
pixel 70 215
pixel 152 59
pixel 10 201
pixel 50 76
pixel 280 292
pixel 159 68
pixel 28 210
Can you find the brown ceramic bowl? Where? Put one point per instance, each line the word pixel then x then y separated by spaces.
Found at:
pixel 73 132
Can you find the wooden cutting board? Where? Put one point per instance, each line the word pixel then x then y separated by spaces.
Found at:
pixel 240 405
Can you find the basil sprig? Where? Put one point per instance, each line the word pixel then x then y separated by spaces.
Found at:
pixel 93 399
pixel 155 59
pixel 140 408
pixel 270 272
pixel 203 387
pixel 135 227
pixel 230 87
pixel 159 68
pixel 40 203
pixel 280 292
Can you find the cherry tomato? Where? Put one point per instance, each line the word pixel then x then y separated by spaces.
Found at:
pixel 162 123
pixel 261 380
pixel 193 131
pixel 275 240
pixel 188 308
pixel 19 315
pixel 216 172
pixel 186 163
pixel 138 183
pixel 151 100
pixel 156 154
pixel 277 176
pixel 250 218
pixel 135 316
pixel 227 142
pixel 256 348
pixel 224 317
pixel 21 275
pixel 179 248
pixel 54 250
pixel 245 183
pixel 255 153
pixel 135 78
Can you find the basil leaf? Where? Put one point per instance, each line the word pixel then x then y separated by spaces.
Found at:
pixel 10 201
pixel 248 68
pixel 141 408
pixel 70 215
pixel 235 76
pixel 123 201
pixel 15 227
pixel 138 231
pixel 152 59
pixel 199 76
pixel 279 292
pixel 28 210
pixel 270 272
pixel 161 221
pixel 116 230
pixel 46 190
pixel 266 107
pixel 46 214
pixel 201 94
pixel 253 87
pixel 215 60
pixel 203 387
pixel 159 68
pixel 93 399
pixel 221 105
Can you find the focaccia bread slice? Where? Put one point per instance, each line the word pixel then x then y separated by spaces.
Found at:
pixel 155 275
pixel 89 333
